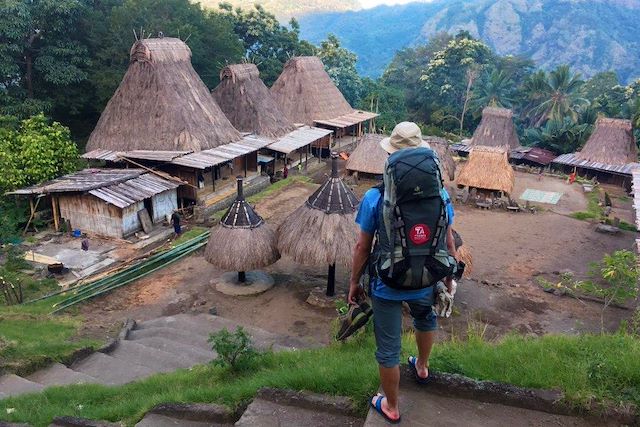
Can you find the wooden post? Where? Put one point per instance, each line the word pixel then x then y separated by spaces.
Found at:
pixel 213 177
pixel 56 218
pixel 242 277
pixel 245 165
pixel 306 156
pixel 331 281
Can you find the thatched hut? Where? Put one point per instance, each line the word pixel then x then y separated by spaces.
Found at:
pixel 368 159
pixel 161 104
pixel 250 107
pixel 306 94
pixel 248 104
pixel 610 154
pixel 496 129
pixel 323 231
pixel 488 170
pixel 242 241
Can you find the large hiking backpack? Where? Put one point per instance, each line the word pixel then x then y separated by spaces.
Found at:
pixel 410 250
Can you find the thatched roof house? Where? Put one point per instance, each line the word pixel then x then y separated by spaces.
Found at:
pixel 612 142
pixel 610 154
pixel 248 104
pixel 369 157
pixel 496 129
pixel 305 92
pixel 161 104
pixel 488 168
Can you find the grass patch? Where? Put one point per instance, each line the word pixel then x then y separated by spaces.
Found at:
pixel 594 210
pixel 192 233
pixel 590 368
pixel 31 339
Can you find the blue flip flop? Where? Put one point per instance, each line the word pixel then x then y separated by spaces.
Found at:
pixel 412 362
pixel 378 408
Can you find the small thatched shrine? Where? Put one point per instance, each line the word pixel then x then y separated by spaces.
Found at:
pixel 488 170
pixel 161 104
pixel 610 154
pixel 306 94
pixel 242 241
pixel 496 129
pixel 247 102
pixel 367 160
pixel 323 231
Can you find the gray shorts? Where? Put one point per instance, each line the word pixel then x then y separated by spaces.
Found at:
pixel 387 320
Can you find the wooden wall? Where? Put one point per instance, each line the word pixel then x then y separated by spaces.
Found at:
pixel 90 214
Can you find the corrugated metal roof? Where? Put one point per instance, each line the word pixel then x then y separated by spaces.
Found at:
pixel 348 119
pixel 108 155
pixel 461 148
pixel 533 154
pixel 134 190
pixel 158 156
pixel 84 180
pixel 298 138
pixel 224 153
pixel 571 160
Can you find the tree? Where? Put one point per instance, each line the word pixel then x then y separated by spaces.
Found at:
pixel 267 43
pixel 451 73
pixel 561 95
pixel 340 64
pixel 34 152
pixel 495 90
pixel 386 100
pixel 560 136
pixel 40 58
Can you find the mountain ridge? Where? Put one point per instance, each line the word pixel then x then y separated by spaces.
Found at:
pixel 591 36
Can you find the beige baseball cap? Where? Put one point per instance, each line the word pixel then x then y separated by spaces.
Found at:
pixel 404 135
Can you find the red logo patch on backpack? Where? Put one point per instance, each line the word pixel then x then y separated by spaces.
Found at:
pixel 420 234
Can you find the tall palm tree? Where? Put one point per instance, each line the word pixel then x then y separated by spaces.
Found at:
pixel 496 91
pixel 535 88
pixel 561 95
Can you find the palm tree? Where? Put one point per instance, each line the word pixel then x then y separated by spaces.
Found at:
pixel 561 95
pixel 496 91
pixel 535 89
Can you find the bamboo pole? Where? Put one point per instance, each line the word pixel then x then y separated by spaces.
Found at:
pixel 56 218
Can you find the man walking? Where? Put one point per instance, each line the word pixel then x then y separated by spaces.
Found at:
pixel 175 220
pixel 418 292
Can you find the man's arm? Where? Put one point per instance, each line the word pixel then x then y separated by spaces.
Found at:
pixel 360 258
pixel 451 242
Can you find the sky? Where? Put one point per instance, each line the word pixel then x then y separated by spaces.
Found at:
pixel 373 3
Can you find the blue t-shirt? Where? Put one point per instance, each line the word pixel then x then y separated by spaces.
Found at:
pixel 367 219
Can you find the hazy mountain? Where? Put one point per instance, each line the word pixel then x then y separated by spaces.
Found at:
pixel 591 35
pixel 286 9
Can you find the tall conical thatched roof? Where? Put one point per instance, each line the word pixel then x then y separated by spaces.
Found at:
pixel 496 129
pixel 304 91
pixel 323 231
pixel 161 104
pixel 368 157
pixel 612 142
pixel 242 241
pixel 248 104
pixel 488 168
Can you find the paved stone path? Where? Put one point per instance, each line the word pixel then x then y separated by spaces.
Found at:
pixel 159 345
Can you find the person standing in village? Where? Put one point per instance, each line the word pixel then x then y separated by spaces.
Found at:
pixel 175 221
pixel 285 171
pixel 387 301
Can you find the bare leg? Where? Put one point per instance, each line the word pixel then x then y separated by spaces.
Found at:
pixel 390 381
pixel 424 340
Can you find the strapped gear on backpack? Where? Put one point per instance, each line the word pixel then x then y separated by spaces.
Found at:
pixel 410 250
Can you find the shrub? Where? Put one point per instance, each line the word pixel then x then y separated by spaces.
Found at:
pixel 234 350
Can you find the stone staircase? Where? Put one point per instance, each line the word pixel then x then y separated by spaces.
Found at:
pixel 160 345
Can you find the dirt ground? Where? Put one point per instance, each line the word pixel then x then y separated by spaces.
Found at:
pixel 510 251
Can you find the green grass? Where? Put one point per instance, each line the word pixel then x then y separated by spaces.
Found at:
pixel 591 368
pixel 30 338
pixel 594 210
pixel 192 233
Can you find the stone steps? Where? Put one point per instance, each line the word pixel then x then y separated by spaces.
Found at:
pixel 159 345
pixel 58 374
pixel 13 385
pixel 157 420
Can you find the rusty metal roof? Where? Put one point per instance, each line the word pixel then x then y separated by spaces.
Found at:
pixel 134 190
pixel 533 154
pixel 571 160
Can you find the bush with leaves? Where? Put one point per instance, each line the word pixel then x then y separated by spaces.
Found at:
pixel 615 280
pixel 234 350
